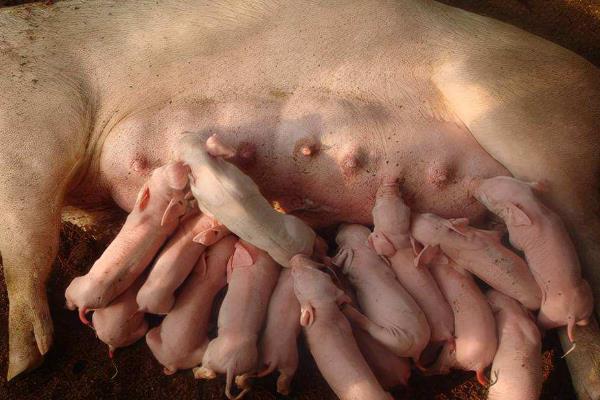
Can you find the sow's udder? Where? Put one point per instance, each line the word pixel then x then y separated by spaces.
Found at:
pixel 319 158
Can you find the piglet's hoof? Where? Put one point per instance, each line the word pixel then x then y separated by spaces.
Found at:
pixel 204 373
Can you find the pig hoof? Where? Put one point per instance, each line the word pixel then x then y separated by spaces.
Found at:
pixel 241 381
pixel 204 373
pixel 30 336
pixel 283 384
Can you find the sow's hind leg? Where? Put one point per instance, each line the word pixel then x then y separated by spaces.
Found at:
pixel 41 144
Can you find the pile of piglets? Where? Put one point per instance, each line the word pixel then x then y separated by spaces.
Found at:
pixel 405 294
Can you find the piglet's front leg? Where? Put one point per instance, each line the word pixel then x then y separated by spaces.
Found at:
pixel 253 275
pixel 156 214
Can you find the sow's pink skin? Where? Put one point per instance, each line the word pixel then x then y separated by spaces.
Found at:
pixel 541 235
pixel 392 316
pixel 474 325
pixel 120 324
pixel 279 341
pixel 252 277
pixel 329 334
pixel 480 252
pixel 517 366
pixel 176 260
pixel 391 239
pixel 180 341
pixel 156 214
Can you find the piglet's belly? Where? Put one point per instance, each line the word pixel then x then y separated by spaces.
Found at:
pixel 319 158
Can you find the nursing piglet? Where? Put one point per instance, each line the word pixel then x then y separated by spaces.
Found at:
pixel 474 327
pixel 225 192
pixel 541 235
pixel 155 216
pixel 120 324
pixel 253 276
pixel 279 341
pixel 517 366
pixel 391 239
pixel 329 334
pixel 392 316
pixel 180 341
pixel 480 252
pixel 176 260
pixel 389 369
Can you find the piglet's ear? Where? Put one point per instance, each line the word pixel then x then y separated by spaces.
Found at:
pixel 229 268
pixel 307 315
pixel 206 237
pixel 426 255
pixel 381 244
pixel 143 197
pixel 242 257
pixel 459 222
pixel 210 236
pixel 201 266
pixel 174 210
pixel 343 258
pixel 515 216
pixel 416 246
pixel 457 225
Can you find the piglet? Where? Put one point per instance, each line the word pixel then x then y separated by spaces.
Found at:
pixel 480 252
pixel 517 366
pixel 225 192
pixel 389 369
pixel 180 341
pixel 392 316
pixel 176 260
pixel 541 235
pixel 279 341
pixel 120 324
pixel 329 334
pixel 391 238
pixel 253 275
pixel 475 329
pixel 158 208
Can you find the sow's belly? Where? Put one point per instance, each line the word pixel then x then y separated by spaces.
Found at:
pixel 320 158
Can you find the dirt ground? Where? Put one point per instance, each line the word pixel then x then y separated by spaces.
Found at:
pixel 78 367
